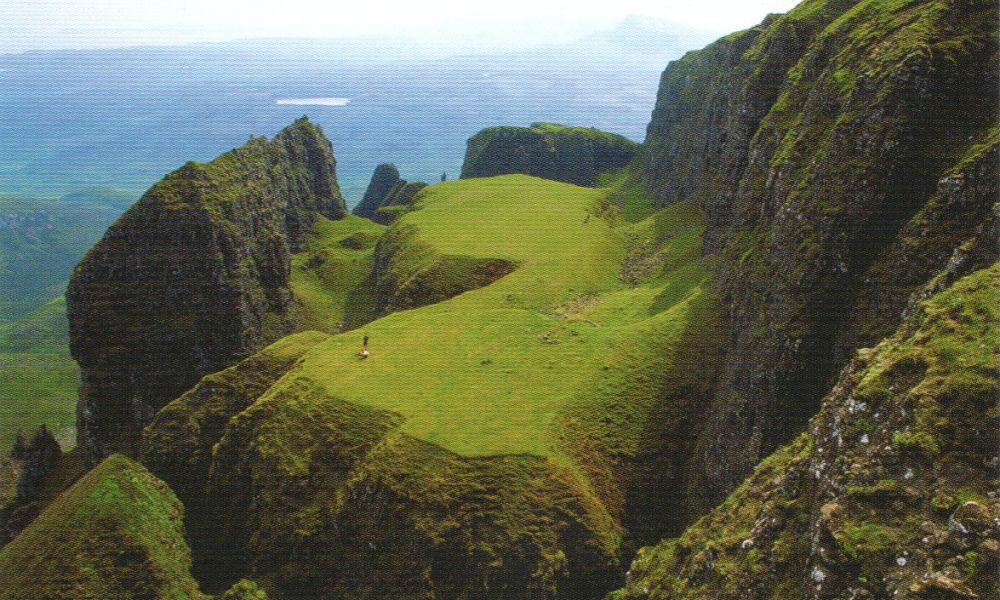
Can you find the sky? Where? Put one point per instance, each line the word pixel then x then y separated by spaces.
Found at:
pixel 59 24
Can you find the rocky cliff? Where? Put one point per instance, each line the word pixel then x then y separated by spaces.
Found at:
pixel 570 154
pixel 388 196
pixel 841 152
pixel 193 277
pixel 890 493
pixel 385 180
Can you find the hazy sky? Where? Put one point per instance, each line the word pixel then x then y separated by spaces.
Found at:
pixel 31 24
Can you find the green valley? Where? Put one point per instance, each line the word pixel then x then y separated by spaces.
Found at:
pixel 751 358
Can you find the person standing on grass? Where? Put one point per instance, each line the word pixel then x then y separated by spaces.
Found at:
pixel 364 347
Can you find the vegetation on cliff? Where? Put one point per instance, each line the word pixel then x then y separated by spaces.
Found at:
pixel 841 153
pixel 193 277
pixel 115 534
pixel 891 492
pixel 571 154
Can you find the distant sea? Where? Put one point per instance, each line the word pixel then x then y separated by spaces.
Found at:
pixel 73 120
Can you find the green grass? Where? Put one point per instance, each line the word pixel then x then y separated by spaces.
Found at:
pixel 126 541
pixel 494 370
pixel 38 378
pixel 626 191
pixel 505 397
pixel 331 278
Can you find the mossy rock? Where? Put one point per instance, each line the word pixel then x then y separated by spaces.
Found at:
pixel 194 277
pixel 571 154
pixel 115 534
pixel 865 512
pixel 820 239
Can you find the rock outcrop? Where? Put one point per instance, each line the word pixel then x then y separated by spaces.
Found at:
pixel 571 154
pixel 38 459
pixel 388 196
pixel 828 147
pixel 890 493
pixel 27 476
pixel 116 534
pixel 385 180
pixel 192 278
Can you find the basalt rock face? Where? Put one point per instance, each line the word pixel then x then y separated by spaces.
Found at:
pixel 385 180
pixel 193 277
pixel 890 493
pixel 570 154
pixel 828 147
pixel 388 196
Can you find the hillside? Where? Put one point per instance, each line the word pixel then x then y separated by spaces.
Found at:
pixel 522 387
pixel 39 377
pixel 126 542
pixel 55 233
pixel 40 381
pixel 751 358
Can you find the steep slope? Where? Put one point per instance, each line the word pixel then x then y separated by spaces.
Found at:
pixel 193 277
pixel 841 153
pixel 488 445
pixel 333 277
pixel 891 493
pixel 571 154
pixel 385 180
pixel 115 534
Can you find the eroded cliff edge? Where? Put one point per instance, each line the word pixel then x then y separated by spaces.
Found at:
pixel 841 152
pixel 890 493
pixel 574 155
pixel 193 277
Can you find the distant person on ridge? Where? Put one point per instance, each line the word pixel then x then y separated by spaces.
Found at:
pixel 364 347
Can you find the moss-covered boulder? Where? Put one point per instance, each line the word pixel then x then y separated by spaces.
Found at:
pixel 117 533
pixel 193 277
pixel 890 493
pixel 570 154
